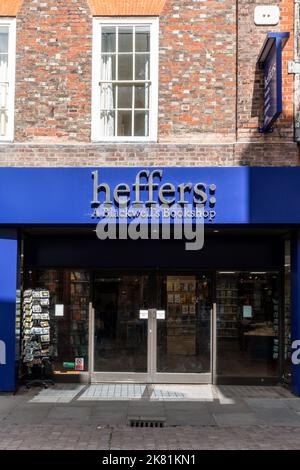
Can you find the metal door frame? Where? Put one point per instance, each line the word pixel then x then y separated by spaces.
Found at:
pixel 152 376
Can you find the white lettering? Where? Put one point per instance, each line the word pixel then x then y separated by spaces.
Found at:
pixel 296 353
pixel 2 353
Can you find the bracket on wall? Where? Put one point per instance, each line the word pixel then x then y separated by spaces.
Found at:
pixel 262 130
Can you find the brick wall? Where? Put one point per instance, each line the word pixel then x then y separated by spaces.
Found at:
pixel 49 155
pixel 197 69
pixel 210 93
pixel 250 78
pixel 53 69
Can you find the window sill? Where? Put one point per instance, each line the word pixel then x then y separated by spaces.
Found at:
pixel 142 140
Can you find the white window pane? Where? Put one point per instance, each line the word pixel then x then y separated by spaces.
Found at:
pixel 124 96
pixel 108 39
pixel 3 122
pixel 3 39
pixel 3 67
pixel 142 96
pixel 124 123
pixel 107 123
pixel 141 123
pixel 107 96
pixel 142 39
pixel 142 67
pixel 125 67
pixel 108 67
pixel 3 95
pixel 125 39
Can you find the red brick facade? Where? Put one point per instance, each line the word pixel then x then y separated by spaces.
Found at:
pixel 210 90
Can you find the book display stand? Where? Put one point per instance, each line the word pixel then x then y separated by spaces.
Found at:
pixel 36 338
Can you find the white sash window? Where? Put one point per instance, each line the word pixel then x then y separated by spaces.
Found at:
pixel 125 79
pixel 7 77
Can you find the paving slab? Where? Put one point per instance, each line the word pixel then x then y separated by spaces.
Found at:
pixel 148 408
pixel 238 405
pixel 27 415
pixel 236 419
pixel 267 403
pixel 65 414
pixel 292 403
pixel 193 418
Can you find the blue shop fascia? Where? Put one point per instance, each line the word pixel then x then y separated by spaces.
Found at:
pixel 249 260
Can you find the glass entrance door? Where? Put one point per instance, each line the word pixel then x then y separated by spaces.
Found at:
pixel 184 338
pixel 173 344
pixel 120 336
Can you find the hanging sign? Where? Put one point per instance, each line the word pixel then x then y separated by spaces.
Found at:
pixel 270 60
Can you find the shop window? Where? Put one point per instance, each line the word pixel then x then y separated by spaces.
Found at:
pixel 69 297
pixel 248 321
pixel 125 81
pixel 7 74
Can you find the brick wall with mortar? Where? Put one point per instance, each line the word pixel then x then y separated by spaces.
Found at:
pixel 250 77
pixel 207 73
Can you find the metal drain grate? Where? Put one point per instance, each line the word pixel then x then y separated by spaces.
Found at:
pixel 138 422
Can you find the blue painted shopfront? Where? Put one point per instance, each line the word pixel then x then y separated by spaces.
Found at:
pixel 66 196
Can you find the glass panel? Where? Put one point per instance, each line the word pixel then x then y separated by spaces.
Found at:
pixel 125 39
pixel 142 96
pixel 108 67
pixel 120 336
pixel 107 123
pixel 247 324
pixel 124 123
pixel 142 39
pixel 68 332
pixel 107 96
pixel 142 67
pixel 108 39
pixel 124 96
pixel 141 123
pixel 125 67
pixel 183 339
pixel 3 122
pixel 3 39
pixel 3 67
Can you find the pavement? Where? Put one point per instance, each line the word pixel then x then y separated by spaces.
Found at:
pixel 72 416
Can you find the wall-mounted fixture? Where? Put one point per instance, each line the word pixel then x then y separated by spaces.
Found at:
pixel 266 15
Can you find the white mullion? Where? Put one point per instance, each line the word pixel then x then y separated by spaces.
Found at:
pixel 133 87
pixel 117 76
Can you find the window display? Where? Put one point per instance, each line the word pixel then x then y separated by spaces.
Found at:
pixel 69 292
pixel 248 314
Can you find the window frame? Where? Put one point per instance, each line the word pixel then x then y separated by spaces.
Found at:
pixel 153 23
pixel 11 72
